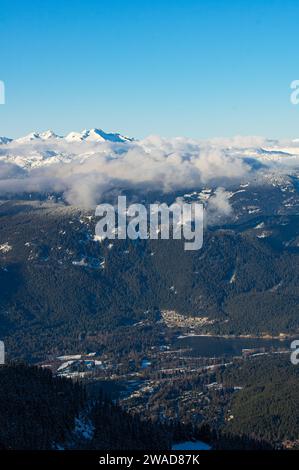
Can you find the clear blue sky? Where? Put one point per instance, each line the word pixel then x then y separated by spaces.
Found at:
pixel 198 68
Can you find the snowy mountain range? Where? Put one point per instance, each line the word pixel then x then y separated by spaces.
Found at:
pixel 5 140
pixel 46 148
pixel 91 135
pixel 84 165
pixel 39 149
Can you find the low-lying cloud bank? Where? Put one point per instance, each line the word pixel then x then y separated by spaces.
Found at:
pixel 85 171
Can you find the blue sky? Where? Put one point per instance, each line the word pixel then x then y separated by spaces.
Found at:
pixel 194 68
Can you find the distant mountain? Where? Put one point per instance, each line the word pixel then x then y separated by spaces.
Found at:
pixel 37 136
pixel 88 135
pixel 42 149
pixel 5 140
pixel 96 135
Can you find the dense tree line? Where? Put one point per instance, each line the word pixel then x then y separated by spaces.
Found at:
pixel 267 406
pixel 38 411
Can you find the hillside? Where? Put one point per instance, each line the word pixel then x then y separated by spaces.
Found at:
pixel 267 405
pixel 61 290
pixel 39 411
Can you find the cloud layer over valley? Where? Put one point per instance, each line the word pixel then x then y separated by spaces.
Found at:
pixel 85 166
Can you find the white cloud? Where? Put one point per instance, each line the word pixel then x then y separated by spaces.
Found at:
pixel 84 171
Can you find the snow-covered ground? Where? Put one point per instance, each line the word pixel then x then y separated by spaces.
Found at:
pixel 74 357
pixel 84 427
pixel 5 248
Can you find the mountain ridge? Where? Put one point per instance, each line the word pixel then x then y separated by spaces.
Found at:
pixel 89 135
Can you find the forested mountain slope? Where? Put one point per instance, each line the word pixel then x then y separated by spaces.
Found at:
pixel 60 287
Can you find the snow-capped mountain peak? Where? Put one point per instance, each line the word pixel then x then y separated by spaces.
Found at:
pixel 49 135
pixel 5 140
pixel 43 149
pixel 28 138
pixel 87 135
pixel 37 136
pixel 95 135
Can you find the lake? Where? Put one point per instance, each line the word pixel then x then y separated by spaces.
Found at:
pixel 191 445
pixel 214 346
